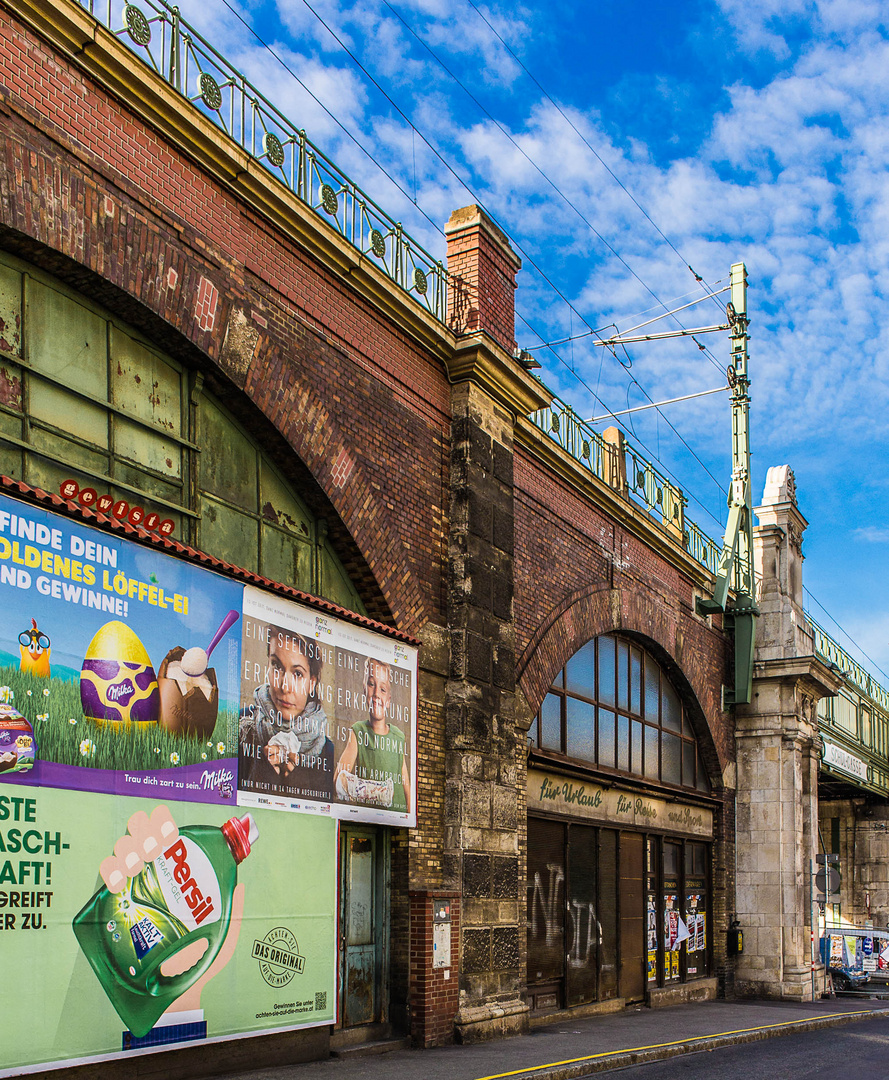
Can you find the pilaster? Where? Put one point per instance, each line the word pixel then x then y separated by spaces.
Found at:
pixel 484 812
pixel 778 747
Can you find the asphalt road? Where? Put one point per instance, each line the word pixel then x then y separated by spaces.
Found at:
pixel 858 1051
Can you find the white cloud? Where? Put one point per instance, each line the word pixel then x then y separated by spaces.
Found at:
pixel 789 175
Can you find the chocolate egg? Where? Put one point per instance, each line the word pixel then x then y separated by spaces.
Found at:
pixel 117 681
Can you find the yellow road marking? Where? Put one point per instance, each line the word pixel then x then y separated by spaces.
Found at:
pixel 677 1042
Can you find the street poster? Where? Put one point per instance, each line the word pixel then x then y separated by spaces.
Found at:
pixel 328 715
pixel 119 665
pixel 134 924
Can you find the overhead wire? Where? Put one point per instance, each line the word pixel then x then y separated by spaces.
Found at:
pixel 698 277
pixel 662 315
pixel 845 633
pixel 438 228
pixel 588 145
pixel 538 169
pixel 338 122
pixel 647 449
pixel 524 253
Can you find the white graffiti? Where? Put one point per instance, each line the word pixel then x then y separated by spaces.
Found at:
pixel 549 903
pixel 582 947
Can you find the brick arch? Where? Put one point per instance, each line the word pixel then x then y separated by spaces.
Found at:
pixel 636 613
pixel 308 427
pixel 196 303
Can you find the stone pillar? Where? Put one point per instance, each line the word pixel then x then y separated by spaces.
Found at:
pixel 778 748
pixel 484 811
pixel 616 460
pixel 864 857
pixel 483 799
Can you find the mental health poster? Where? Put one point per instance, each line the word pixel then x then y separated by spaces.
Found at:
pixel 328 720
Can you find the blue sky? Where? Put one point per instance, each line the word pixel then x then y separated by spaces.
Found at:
pixel 748 130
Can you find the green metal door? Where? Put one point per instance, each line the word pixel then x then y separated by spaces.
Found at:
pixel 364 926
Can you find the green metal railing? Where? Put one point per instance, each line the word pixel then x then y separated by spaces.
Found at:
pixel 176 51
pixel 165 42
pixel 829 650
pixel 622 467
pixel 857 719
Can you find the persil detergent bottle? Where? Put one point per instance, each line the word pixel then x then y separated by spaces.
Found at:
pixel 159 932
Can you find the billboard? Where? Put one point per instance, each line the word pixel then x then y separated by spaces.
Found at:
pixel 132 924
pixel 154 717
pixel 328 715
pixel 118 663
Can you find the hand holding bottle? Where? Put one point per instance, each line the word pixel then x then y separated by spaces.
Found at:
pixel 168 918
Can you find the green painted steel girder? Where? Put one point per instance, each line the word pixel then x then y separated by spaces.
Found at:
pixel 736 561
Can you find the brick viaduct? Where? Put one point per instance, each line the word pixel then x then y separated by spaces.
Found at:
pixel 458 520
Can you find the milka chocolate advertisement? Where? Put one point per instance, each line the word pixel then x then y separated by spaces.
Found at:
pixel 119 665
pixel 328 715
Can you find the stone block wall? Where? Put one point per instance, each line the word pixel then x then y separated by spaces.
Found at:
pixel 484 802
pixel 857 829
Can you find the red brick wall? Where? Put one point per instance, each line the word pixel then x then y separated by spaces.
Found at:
pixel 435 992
pixel 482 272
pixel 91 194
pixel 94 196
pixel 579 574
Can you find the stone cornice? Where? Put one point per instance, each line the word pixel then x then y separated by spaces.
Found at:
pixel 111 63
pixel 817 677
pixel 777 514
pixel 479 359
pixel 621 509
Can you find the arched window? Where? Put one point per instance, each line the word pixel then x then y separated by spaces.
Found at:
pixel 613 706
pixel 85 396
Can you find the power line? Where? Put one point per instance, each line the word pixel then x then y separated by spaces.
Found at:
pixel 662 315
pixel 538 169
pixel 845 633
pixel 657 405
pixel 524 154
pixel 583 218
pixel 655 457
pixel 524 253
pixel 589 146
pixel 339 123
pixel 438 228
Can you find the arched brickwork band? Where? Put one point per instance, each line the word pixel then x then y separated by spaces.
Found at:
pixel 600 610
pixel 89 226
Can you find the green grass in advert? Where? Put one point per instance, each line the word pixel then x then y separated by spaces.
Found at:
pixel 64 735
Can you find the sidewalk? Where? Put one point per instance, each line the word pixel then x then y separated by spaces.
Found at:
pixel 577 1048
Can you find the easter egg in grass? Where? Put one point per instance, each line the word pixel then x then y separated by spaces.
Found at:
pixel 117 681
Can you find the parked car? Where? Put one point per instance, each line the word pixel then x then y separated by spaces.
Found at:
pixel 846 978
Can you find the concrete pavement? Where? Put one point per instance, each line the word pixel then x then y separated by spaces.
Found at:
pixel 575 1048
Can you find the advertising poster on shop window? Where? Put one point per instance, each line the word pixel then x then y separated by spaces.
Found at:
pixel 225 926
pixel 328 715
pixel 119 665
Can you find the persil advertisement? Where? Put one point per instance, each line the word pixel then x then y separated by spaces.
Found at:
pixel 154 718
pixel 328 715
pixel 131 925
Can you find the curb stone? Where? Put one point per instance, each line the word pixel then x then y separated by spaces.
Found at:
pixel 643 1055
